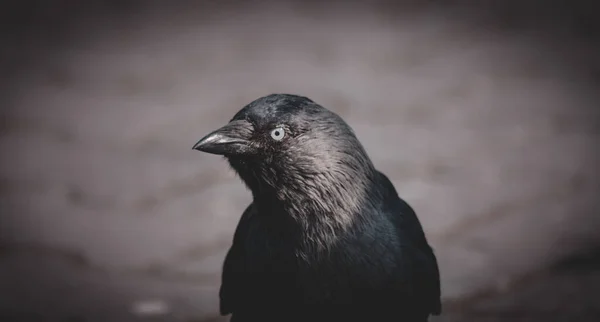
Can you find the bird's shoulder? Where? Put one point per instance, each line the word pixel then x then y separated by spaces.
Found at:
pixel 399 212
pixel 415 247
pixel 244 224
pixel 230 278
pixel 245 280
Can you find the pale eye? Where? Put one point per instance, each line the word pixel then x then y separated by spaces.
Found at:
pixel 277 134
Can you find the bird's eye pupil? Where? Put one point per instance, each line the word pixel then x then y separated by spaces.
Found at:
pixel 277 134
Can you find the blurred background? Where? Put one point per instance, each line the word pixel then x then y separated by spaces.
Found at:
pixel 485 114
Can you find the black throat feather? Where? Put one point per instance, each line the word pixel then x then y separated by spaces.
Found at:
pixel 315 201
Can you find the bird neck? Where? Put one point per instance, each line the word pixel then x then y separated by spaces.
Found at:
pixel 314 199
pixel 317 208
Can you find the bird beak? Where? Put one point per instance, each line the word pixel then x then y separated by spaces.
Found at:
pixel 231 139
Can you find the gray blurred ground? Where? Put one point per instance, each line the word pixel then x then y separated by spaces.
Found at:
pixel 487 127
pixel 567 291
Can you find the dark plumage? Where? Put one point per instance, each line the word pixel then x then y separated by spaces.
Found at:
pixel 326 238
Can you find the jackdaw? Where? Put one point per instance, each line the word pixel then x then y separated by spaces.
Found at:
pixel 326 237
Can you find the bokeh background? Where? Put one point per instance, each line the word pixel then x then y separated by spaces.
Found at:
pixel 485 115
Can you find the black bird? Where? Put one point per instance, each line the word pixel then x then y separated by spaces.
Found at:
pixel 326 237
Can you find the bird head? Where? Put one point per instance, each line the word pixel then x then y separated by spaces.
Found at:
pixel 289 147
